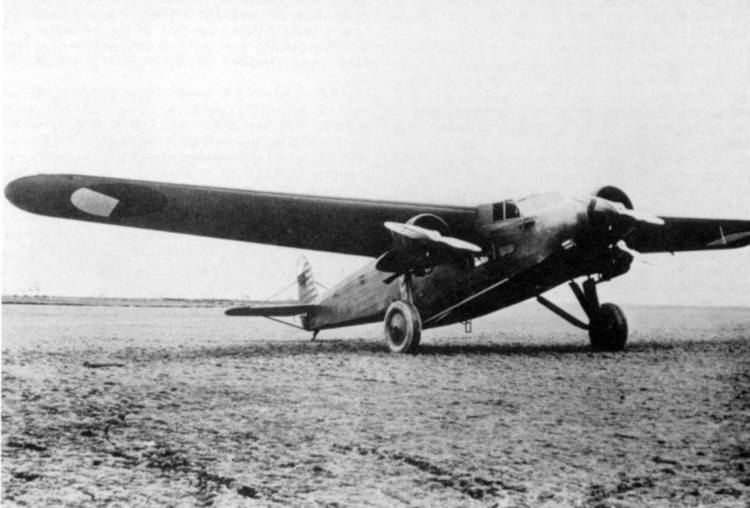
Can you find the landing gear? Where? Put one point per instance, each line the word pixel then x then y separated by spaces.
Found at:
pixel 607 327
pixel 403 327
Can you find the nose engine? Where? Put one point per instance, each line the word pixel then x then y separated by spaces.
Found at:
pixel 605 217
pixel 610 218
pixel 605 221
pixel 614 194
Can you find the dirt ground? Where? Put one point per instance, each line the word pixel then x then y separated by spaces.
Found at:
pixel 141 407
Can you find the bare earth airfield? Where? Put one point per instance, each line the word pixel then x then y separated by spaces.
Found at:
pixel 183 406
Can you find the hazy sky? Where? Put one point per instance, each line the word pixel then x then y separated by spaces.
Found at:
pixel 447 102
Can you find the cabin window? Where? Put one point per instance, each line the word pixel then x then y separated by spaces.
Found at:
pixel 505 210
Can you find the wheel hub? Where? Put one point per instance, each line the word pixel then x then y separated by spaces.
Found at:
pixel 397 328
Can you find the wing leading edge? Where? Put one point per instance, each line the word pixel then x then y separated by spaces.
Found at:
pixel 347 226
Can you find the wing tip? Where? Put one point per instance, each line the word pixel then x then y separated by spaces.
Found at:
pixel 21 193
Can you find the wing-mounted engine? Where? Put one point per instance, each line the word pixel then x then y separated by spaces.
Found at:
pixel 421 243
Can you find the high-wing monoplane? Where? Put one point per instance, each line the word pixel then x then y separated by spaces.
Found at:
pixel 431 265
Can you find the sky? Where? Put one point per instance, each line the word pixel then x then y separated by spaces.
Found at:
pixel 444 102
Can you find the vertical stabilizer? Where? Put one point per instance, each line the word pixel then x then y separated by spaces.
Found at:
pixel 308 291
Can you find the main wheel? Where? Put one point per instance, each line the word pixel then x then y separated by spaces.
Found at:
pixel 403 327
pixel 608 330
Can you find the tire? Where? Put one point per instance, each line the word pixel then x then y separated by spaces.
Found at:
pixel 608 330
pixel 403 327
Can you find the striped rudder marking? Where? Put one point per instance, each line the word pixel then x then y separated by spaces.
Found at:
pixel 308 291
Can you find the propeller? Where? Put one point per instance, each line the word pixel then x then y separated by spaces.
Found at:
pixel 605 206
pixel 424 235
pixel 612 222
pixel 417 249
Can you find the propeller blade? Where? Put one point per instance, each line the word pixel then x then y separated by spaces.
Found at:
pixel 421 234
pixel 409 231
pixel 636 255
pixel 458 244
pixel 605 205
pixel 643 217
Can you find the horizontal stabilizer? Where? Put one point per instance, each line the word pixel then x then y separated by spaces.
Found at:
pixel 284 309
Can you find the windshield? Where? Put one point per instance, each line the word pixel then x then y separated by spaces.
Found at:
pixel 532 205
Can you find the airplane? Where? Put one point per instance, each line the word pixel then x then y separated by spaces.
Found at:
pixel 432 265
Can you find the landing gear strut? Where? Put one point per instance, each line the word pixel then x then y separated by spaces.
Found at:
pixel 607 326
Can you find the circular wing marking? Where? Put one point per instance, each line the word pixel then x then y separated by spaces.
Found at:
pixel 93 203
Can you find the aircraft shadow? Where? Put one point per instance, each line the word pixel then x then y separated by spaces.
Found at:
pixel 536 349
pixel 374 347
pixel 512 349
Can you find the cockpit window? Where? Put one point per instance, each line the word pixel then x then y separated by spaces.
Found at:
pixel 505 210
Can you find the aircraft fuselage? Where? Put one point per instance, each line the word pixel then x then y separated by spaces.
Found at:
pixel 550 244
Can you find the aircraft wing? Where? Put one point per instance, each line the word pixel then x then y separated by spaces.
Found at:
pixel 348 226
pixel 683 234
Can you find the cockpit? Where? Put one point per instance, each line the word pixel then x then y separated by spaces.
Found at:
pixel 516 208
pixel 505 210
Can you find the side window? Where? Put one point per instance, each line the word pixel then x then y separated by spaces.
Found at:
pixel 498 212
pixel 511 210
pixel 505 210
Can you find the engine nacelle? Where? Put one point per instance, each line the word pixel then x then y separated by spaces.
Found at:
pixel 615 194
pixel 418 250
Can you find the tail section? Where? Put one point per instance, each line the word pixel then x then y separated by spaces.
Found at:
pixel 308 290
pixel 307 303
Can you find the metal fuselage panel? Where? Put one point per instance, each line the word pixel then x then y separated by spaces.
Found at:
pixel 527 255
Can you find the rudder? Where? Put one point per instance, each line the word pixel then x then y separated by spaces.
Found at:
pixel 308 290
